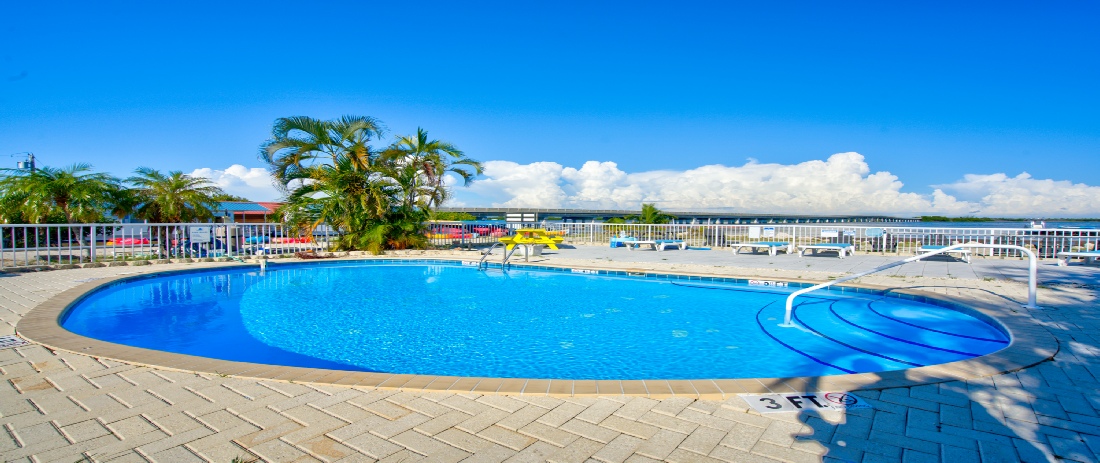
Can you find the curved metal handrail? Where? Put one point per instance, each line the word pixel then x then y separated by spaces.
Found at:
pixel 508 255
pixel 481 265
pixel 1031 285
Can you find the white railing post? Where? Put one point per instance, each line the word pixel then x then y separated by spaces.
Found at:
pixel 92 240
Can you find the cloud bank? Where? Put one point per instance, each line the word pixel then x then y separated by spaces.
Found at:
pixel 842 184
pixel 252 183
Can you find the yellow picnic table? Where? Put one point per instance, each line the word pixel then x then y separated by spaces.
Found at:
pixel 531 236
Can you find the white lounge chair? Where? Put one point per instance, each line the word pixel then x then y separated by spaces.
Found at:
pixel 1088 256
pixel 840 248
pixel 965 253
pixel 773 247
pixel 617 241
pixel 659 245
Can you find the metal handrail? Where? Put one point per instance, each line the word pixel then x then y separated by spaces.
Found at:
pixel 485 255
pixel 508 255
pixel 1033 270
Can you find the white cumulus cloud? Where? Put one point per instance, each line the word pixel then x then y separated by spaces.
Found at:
pixel 252 183
pixel 842 184
pixel 999 195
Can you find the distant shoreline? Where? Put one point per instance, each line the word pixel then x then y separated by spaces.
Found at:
pixel 936 218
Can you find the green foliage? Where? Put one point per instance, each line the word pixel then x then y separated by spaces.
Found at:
pixel 452 216
pixel 230 198
pixel 56 195
pixel 650 214
pixel 374 199
pixel 940 218
pixel 426 162
pixel 172 198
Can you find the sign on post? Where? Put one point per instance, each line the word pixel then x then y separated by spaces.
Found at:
pixel 200 234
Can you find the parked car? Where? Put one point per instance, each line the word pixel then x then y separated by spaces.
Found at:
pixel 454 233
pixel 127 241
pixel 293 240
pixel 493 231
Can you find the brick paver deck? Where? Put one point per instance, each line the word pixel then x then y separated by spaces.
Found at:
pixel 61 406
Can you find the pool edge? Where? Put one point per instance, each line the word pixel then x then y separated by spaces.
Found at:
pixel 1030 344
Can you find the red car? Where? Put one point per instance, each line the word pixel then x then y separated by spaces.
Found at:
pixel 495 232
pixel 451 232
pixel 127 241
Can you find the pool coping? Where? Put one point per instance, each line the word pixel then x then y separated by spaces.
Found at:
pixel 1030 344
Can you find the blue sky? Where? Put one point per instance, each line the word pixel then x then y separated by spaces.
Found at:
pixel 930 93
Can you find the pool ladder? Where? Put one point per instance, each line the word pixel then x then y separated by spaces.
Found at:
pixel 482 265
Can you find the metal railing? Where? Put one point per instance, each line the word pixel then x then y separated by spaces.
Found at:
pixel 905 240
pixel 36 245
pixel 1033 270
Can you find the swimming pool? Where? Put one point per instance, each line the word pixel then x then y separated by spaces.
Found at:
pixel 445 318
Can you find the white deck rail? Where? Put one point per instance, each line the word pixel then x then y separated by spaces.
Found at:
pixel 1033 270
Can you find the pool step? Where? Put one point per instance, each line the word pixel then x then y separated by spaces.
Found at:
pixel 893 341
pixel 943 327
pixel 840 358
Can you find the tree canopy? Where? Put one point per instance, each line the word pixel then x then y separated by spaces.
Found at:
pixel 374 198
pixel 69 194
pixel 650 214
pixel 172 198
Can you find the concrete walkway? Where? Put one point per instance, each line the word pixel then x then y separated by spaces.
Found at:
pixel 60 406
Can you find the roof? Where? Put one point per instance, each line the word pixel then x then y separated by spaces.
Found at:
pixel 270 206
pixel 242 207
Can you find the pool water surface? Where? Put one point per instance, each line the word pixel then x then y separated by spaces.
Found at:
pixel 438 318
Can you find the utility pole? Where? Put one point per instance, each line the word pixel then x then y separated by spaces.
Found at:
pixel 25 165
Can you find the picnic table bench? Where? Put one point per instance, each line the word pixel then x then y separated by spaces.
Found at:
pixel 531 236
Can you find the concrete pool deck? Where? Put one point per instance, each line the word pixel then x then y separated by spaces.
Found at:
pixel 64 406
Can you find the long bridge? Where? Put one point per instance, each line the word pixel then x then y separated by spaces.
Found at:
pixel 513 214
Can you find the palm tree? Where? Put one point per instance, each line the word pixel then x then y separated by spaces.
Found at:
pixel 74 192
pixel 339 194
pixel 373 200
pixel 173 198
pixel 329 173
pixel 431 160
pixel 301 143
pixel 650 214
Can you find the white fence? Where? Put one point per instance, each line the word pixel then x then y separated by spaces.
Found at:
pixel 36 245
pixel 1046 242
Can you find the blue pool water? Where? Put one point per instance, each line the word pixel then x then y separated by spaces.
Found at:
pixel 449 319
